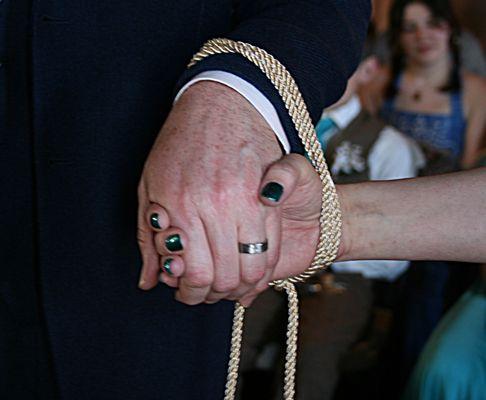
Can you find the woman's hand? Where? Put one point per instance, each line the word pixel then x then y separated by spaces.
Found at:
pixel 298 208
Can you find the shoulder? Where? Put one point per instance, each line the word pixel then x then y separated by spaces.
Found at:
pixel 473 84
pixel 474 89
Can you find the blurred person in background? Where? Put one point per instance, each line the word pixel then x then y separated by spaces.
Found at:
pixel 453 363
pixel 338 306
pixel 471 55
pixel 427 95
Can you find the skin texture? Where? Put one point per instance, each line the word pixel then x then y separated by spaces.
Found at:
pixel 299 209
pixel 205 169
pixel 431 218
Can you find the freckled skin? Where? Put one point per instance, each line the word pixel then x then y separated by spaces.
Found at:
pixel 218 147
pixel 205 169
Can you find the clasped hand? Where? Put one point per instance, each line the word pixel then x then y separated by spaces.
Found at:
pixel 201 193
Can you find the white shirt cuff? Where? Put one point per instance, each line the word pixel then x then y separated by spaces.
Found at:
pixel 250 93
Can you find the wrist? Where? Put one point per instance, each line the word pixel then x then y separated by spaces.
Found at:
pixel 368 226
pixel 346 237
pixel 214 98
pixel 250 92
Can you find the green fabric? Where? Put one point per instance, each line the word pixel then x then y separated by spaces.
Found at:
pixel 453 363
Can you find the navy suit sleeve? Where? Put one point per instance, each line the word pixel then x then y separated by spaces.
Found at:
pixel 319 42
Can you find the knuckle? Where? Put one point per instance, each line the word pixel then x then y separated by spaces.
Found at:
pixel 213 298
pixel 198 277
pixel 284 173
pixel 193 302
pixel 186 202
pixel 188 300
pixel 225 285
pixel 159 241
pixel 214 205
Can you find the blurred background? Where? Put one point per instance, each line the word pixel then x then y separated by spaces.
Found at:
pixel 392 329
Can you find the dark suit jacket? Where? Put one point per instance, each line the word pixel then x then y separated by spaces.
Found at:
pixel 84 89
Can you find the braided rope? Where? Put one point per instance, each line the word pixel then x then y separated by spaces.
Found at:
pixel 236 336
pixel 292 331
pixel 330 218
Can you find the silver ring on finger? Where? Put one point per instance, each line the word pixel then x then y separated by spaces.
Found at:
pixel 253 248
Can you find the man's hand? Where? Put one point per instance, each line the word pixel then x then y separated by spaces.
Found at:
pixel 201 182
pixel 299 208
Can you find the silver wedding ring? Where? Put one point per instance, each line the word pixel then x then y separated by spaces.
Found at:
pixel 253 248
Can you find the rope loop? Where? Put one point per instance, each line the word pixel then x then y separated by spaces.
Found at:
pixel 330 219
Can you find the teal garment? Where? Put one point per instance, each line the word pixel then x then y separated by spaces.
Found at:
pixel 452 365
pixel 325 129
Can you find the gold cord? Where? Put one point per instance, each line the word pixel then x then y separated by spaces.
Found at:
pixel 330 218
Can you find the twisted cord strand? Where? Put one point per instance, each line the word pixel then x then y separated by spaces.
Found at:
pixel 330 218
pixel 233 365
pixel 292 331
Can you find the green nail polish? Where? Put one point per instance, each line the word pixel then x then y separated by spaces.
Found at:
pixel 154 221
pixel 272 191
pixel 173 243
pixel 166 266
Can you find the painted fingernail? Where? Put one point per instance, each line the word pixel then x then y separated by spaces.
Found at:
pixel 166 266
pixel 173 243
pixel 272 191
pixel 154 221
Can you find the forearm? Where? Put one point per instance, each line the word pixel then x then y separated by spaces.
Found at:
pixel 440 218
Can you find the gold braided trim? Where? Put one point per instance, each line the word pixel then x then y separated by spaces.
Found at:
pixel 330 218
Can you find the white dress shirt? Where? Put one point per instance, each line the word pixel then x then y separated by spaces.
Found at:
pixel 250 93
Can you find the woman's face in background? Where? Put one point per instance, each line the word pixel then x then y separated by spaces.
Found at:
pixel 424 38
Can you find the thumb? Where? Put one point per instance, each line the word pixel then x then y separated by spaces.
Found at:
pixel 282 178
